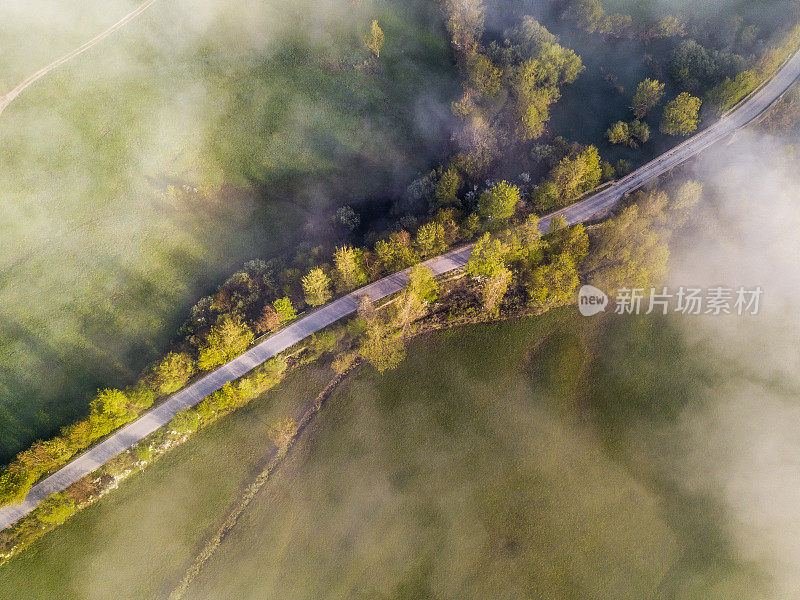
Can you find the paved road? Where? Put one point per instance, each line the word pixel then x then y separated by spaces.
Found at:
pixel 30 80
pixel 347 305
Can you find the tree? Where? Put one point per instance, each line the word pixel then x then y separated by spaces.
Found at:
pixel 431 239
pixel 499 202
pixel 268 320
pixel 282 432
pixel 589 15
pixel 639 131
pixel 349 268
pixel 681 116
pixel 285 310
pixel 174 371
pixel 229 338
pixel 684 199
pixel 382 347
pixel 577 174
pixel 619 133
pixel 648 94
pixel 447 187
pixel 494 289
pixel 374 39
pixel 422 284
pixel 465 20
pixel 488 257
pixel 396 252
pixel 317 287
pixel 553 284
pixel 630 250
pixel 109 410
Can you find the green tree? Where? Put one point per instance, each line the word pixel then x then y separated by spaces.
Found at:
pixel 684 199
pixel 553 284
pixel 640 131
pixel 488 257
pixel 229 338
pixel 109 410
pixel 494 290
pixel 447 187
pixel 56 509
pixel 285 310
pixel 174 371
pixel 349 263
pixel 317 287
pixel 382 347
pixel 589 15
pixel 619 133
pixel 431 239
pixel 681 116
pixel 499 202
pixel 576 174
pixel 648 94
pixel 374 39
pixel 631 249
pixel 422 284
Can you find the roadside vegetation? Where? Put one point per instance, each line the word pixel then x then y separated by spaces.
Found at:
pixel 510 83
pixel 443 478
pixel 138 178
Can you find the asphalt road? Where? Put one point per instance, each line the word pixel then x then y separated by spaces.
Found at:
pixel 581 211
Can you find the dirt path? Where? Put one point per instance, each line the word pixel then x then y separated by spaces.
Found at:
pixel 30 80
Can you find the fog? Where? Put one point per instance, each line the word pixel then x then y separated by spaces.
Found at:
pixel 261 106
pixel 740 444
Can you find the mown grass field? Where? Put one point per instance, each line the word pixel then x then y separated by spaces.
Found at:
pixel 270 100
pixel 523 460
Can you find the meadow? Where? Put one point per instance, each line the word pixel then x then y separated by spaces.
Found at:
pixel 263 117
pixel 527 459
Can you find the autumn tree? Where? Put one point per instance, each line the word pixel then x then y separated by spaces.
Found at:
pixel 317 287
pixel 268 320
pixel 681 115
pixel 648 94
pixel 374 39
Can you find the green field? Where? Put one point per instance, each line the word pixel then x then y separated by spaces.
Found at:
pixel 268 108
pixel 533 459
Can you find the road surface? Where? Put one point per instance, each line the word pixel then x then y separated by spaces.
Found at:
pixel 581 211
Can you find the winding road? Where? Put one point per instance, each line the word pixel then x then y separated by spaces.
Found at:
pixel 581 211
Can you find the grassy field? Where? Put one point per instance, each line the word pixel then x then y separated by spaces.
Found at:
pixel 523 460
pixel 273 101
